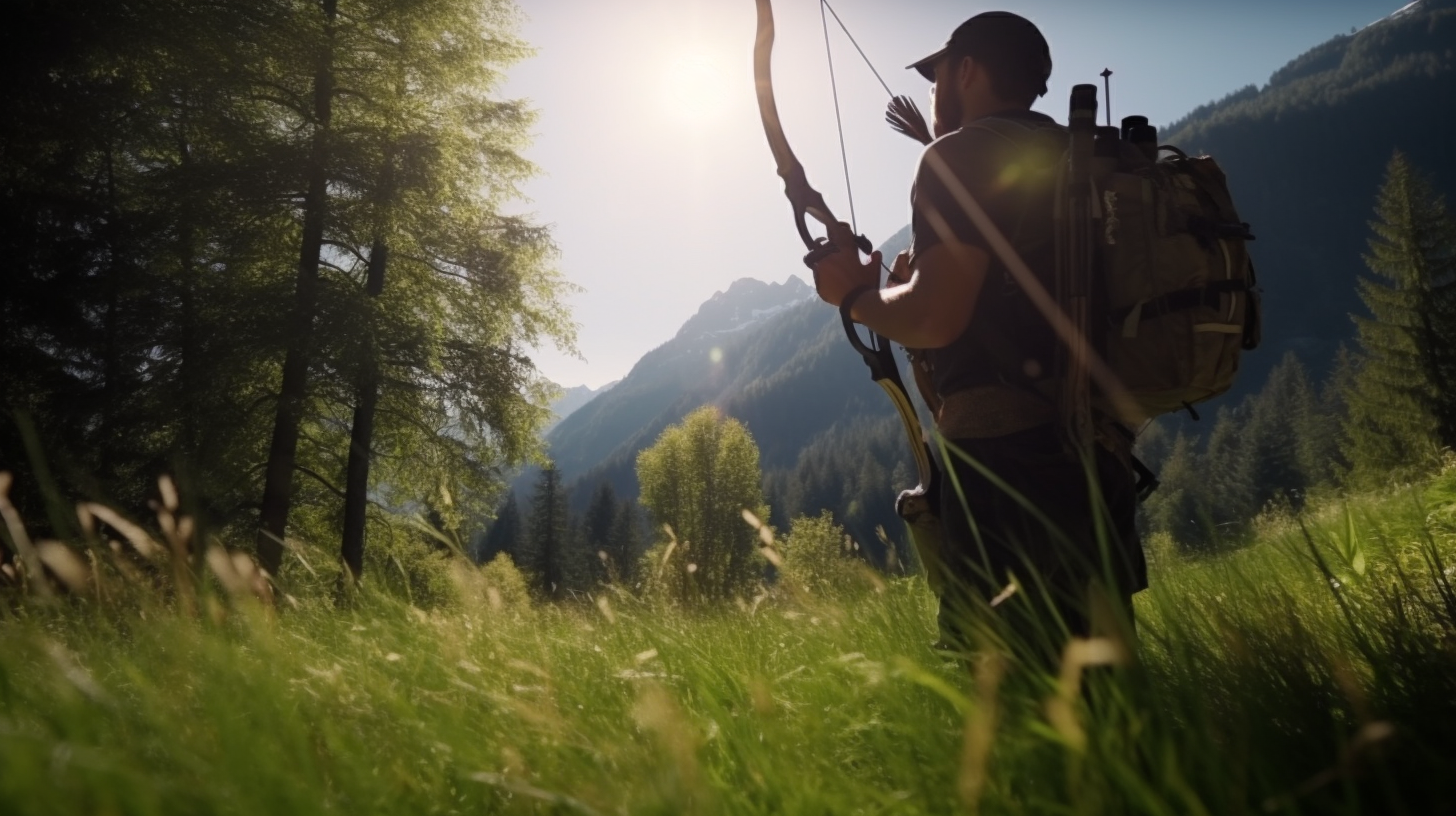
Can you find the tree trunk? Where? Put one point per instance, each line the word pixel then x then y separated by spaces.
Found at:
pixel 361 435
pixel 282 452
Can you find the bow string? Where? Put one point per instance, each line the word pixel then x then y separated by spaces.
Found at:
pixel 808 202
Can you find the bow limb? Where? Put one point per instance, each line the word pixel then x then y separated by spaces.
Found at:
pixel 804 199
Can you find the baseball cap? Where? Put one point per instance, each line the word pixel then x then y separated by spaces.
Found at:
pixel 1004 41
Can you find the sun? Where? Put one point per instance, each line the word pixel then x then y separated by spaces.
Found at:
pixel 694 89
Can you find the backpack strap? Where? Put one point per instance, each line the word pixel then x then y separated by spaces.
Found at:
pixel 1210 296
pixel 1145 481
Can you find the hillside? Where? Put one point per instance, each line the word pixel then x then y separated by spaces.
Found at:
pixel 570 400
pixel 1305 154
pixel 775 358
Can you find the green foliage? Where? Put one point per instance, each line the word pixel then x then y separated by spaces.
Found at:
pixel 596 532
pixel 506 534
pixel 156 157
pixel 1402 412
pixel 549 550
pixel 1273 449
pixel 828 437
pixel 697 480
pixel 409 566
pixel 625 548
pixel 819 558
pixel 505 587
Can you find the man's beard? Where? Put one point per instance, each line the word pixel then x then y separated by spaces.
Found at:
pixel 947 112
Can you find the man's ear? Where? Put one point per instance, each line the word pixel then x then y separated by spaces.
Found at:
pixel 967 70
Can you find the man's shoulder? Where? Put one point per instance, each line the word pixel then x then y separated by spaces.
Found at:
pixel 984 139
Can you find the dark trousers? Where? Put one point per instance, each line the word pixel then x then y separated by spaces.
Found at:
pixel 1020 508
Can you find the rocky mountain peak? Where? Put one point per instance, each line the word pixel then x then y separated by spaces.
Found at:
pixel 746 302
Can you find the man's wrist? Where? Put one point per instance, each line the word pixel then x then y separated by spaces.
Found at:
pixel 846 306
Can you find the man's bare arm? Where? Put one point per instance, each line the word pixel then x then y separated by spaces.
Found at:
pixel 934 307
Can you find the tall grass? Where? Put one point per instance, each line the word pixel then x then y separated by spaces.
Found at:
pixel 1313 672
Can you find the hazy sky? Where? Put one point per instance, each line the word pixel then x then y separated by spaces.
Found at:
pixel 658 183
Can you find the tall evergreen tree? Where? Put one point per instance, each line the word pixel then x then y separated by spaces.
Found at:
pixel 1401 410
pixel 1268 451
pixel 289 408
pixel 1320 454
pixel 507 534
pixel 1228 497
pixel 161 162
pixel 597 526
pixel 625 542
pixel 549 534
pixel 1179 506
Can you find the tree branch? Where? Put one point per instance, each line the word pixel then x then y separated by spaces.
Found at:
pixel 321 480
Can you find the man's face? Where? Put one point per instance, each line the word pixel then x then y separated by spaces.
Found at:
pixel 946 110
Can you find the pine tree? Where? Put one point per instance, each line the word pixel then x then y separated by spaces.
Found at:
pixel 597 526
pixel 1178 506
pixel 1268 458
pixel 507 534
pixel 1320 454
pixel 226 224
pixel 1226 496
pixel 1401 414
pixel 625 542
pixel 549 534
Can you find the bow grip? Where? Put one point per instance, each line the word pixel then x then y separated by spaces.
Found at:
pixel 821 248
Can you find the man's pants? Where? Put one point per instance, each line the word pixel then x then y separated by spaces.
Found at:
pixel 1019 509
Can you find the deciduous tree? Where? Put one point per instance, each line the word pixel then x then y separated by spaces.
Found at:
pixel 697 479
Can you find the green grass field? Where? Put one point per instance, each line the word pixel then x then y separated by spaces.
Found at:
pixel 1300 674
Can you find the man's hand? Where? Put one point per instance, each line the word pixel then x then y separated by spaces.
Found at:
pixel 837 275
pixel 900 272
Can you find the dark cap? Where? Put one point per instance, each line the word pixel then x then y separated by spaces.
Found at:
pixel 1006 42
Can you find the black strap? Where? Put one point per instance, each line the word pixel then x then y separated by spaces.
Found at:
pixel 1209 229
pixel 1182 299
pixel 1147 480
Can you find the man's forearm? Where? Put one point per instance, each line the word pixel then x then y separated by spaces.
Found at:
pixel 897 313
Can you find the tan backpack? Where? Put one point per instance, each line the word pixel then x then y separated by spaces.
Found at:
pixel 1181 302
pixel 1178 298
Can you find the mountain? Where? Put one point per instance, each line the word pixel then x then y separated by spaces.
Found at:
pixel 1306 153
pixel 571 399
pixel 774 357
pixel 668 374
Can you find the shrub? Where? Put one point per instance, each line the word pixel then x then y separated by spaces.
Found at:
pixel 821 560
pixel 504 586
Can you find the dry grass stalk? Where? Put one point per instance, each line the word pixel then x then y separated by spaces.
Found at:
pixel 33 575
pixel 980 733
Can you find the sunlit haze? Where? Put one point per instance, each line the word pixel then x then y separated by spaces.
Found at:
pixel 659 186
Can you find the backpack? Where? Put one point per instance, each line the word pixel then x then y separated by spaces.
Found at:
pixel 1181 301
pixel 1176 295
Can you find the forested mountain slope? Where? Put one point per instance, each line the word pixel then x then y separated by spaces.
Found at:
pixel 775 358
pixel 1304 157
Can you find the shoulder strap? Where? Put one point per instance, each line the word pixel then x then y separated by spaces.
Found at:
pixel 1015 131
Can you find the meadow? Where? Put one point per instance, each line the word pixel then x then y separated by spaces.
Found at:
pixel 1312 670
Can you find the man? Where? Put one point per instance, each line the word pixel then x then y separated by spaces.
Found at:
pixel 1018 508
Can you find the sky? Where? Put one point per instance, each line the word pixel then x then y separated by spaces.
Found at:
pixel 658 184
